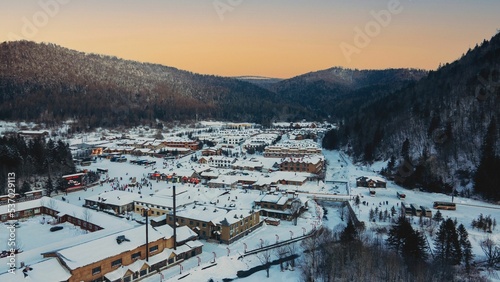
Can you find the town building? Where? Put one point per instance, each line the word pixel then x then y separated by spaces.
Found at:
pixel 292 148
pixel 371 182
pixel 309 163
pixel 117 201
pixel 212 223
pixel 125 256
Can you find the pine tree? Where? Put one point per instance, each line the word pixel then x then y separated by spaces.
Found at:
pixel 398 233
pixel 350 233
pixel 414 248
pixel 49 186
pixel 405 150
pixel 447 245
pixel 486 176
pixel 26 187
pixel 466 247
pixel 438 217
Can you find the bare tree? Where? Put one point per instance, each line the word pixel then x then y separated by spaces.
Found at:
pixel 491 250
pixel 292 250
pixel 280 253
pixel 295 207
pixel 265 257
pixel 87 216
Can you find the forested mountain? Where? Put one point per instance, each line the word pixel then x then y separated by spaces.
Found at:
pixel 335 91
pixel 49 83
pixel 264 82
pixel 46 82
pixel 436 130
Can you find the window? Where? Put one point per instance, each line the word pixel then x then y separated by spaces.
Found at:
pixel 153 249
pixel 116 263
pixel 136 256
pixel 204 225
pixel 143 272
pixel 127 279
pixel 96 270
pixel 190 222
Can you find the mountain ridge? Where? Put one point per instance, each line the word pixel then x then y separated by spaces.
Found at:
pixel 86 86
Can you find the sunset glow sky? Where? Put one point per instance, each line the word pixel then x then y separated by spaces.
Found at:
pixel 280 38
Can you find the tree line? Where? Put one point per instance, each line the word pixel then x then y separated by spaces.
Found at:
pixel 37 163
pixel 405 255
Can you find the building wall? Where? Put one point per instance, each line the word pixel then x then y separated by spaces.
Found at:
pixel 85 273
pixel 284 152
pixel 315 168
pixel 204 229
pixel 228 233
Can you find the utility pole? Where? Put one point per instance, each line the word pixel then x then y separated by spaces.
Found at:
pixel 146 211
pixel 175 219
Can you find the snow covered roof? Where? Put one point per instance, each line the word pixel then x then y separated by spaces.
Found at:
pixel 115 197
pixel 201 213
pixel 232 217
pixel 117 274
pixel 185 233
pixel 165 201
pixel 194 244
pixel 47 270
pixel 374 178
pixel 160 257
pixel 63 208
pixel 277 199
pixel 107 247
pixel 314 159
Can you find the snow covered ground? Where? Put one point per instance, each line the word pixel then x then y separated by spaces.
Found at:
pixel 340 180
pixel 25 239
pixel 340 169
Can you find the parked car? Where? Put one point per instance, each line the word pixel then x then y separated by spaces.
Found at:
pixel 55 228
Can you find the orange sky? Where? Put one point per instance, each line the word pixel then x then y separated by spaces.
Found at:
pixel 258 37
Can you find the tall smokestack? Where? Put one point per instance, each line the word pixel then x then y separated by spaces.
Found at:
pixel 175 220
